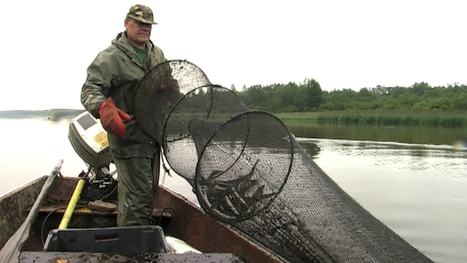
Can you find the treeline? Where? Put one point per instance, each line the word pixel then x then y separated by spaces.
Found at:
pixel 309 97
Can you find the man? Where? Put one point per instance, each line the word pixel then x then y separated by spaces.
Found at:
pixel 108 94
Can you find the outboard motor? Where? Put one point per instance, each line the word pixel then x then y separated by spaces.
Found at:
pixel 89 140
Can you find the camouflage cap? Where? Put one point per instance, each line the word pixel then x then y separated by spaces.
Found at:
pixel 141 13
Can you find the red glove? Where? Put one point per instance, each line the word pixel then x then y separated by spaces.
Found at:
pixel 112 118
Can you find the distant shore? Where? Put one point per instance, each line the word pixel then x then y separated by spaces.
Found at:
pixel 51 114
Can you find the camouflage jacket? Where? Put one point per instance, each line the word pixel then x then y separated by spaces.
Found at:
pixel 115 72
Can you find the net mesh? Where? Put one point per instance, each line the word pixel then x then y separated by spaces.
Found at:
pixel 248 171
pixel 193 121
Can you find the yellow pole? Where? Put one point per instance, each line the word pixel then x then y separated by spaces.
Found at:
pixel 71 205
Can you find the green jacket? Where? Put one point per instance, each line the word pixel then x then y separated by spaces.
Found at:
pixel 115 72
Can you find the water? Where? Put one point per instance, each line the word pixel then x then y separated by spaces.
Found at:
pixel 419 191
pixel 415 185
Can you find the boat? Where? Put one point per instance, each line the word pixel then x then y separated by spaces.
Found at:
pixel 33 211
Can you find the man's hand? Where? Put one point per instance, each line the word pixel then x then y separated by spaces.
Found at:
pixel 112 118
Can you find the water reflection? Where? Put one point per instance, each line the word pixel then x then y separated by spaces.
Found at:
pixel 441 159
pixel 310 147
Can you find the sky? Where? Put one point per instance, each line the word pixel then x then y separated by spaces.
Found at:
pixel 48 45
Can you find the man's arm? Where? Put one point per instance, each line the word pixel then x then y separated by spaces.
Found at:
pixel 97 85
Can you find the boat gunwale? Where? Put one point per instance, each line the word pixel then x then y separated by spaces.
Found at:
pixel 13 216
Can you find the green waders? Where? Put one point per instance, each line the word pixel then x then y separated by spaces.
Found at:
pixel 138 178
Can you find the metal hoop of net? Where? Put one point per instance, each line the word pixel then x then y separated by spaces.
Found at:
pixel 190 124
pixel 244 166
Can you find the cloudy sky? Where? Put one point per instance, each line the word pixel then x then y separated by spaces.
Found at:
pixel 47 45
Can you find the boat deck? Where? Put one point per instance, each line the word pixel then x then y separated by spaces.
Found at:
pixel 45 257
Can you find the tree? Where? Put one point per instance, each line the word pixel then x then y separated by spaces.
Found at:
pixel 284 97
pixel 420 88
pixel 312 93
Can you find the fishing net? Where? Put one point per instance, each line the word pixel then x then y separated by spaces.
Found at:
pixel 248 171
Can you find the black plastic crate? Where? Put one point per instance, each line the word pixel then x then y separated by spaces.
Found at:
pixel 116 240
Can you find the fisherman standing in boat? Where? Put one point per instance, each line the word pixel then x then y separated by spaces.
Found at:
pixel 108 94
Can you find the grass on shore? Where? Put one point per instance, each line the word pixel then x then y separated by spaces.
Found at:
pixel 446 119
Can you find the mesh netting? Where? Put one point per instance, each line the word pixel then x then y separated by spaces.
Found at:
pixel 248 171
pixel 159 90
pixel 193 121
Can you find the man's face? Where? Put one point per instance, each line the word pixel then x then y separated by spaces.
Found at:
pixel 138 33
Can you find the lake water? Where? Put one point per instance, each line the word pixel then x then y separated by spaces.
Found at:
pixel 414 184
